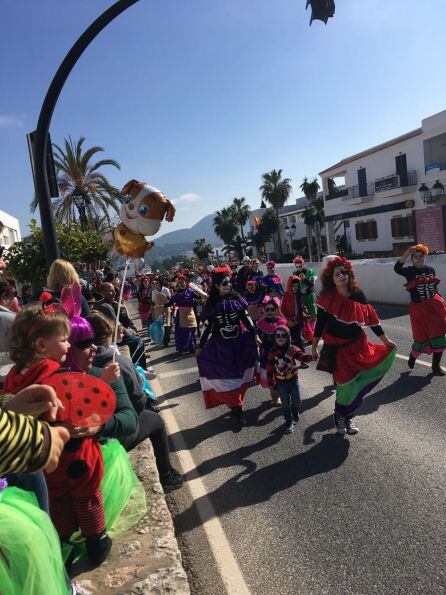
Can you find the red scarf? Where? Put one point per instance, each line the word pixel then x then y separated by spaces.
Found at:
pixel 36 374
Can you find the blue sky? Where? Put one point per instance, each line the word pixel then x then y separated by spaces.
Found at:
pixel 200 97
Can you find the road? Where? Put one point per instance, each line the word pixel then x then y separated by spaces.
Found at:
pixel 311 512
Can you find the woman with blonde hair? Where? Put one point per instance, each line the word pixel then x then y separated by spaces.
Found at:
pixel 62 274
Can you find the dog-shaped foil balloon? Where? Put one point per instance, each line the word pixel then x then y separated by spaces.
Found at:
pixel 142 210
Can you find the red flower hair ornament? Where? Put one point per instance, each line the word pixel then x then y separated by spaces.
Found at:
pixel 299 260
pixel 337 262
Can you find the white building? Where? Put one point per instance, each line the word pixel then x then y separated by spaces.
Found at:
pixel 292 226
pixel 378 190
pixel 9 230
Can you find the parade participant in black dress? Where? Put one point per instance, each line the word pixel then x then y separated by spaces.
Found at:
pixel 427 308
pixel 226 362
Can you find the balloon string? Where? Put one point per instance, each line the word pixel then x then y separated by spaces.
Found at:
pixel 121 293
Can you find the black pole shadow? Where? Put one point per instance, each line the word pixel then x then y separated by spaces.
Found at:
pixel 248 489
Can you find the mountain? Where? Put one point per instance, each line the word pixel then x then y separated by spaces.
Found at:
pixel 176 243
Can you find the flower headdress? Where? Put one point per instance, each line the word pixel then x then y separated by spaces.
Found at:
pixel 299 260
pixel 422 248
pixel 268 300
pixel 336 262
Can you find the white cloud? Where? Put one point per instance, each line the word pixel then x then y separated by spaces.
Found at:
pixel 187 198
pixel 6 121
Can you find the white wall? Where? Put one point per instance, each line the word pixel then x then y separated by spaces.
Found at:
pixel 11 231
pixel 378 280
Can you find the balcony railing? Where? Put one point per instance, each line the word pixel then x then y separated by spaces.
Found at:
pixel 395 181
pixel 338 193
pixel 359 192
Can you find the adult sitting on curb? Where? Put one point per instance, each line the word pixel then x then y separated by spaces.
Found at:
pixel 150 424
pixel 6 318
pixel 134 343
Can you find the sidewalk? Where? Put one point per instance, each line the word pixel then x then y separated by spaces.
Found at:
pixel 144 560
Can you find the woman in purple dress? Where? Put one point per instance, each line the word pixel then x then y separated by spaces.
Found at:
pixel 185 319
pixel 226 361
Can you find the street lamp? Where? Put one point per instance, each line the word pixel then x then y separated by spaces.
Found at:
pixel 425 194
pixel 79 200
pixel 438 189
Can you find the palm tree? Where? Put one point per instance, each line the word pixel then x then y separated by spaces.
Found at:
pixel 202 249
pixel 225 224
pixel 79 178
pixel 242 213
pixel 237 245
pixel 276 191
pixel 311 188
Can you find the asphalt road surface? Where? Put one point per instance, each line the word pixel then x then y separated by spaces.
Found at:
pixel 313 512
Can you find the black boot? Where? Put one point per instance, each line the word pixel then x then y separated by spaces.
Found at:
pixel 436 368
pixel 98 547
pixel 411 362
pixel 166 341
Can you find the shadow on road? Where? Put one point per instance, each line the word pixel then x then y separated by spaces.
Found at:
pixel 169 358
pixel 388 312
pixel 251 488
pixel 406 385
pixel 315 400
pixel 187 389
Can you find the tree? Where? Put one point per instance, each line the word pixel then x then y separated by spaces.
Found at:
pixel 225 224
pixel 26 259
pixel 265 229
pixel 202 249
pixel 78 176
pixel 237 245
pixel 276 191
pixel 314 214
pixel 242 213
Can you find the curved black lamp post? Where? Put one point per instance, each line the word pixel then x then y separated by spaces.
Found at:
pixel 321 9
pixel 46 113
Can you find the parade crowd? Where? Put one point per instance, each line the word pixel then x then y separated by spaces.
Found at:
pixel 60 477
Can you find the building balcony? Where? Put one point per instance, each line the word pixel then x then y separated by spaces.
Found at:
pixel 395 181
pixel 338 193
pixel 363 191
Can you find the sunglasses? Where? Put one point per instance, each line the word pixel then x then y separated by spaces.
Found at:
pixel 225 283
pixel 86 344
pixel 281 336
pixel 341 274
pixel 270 309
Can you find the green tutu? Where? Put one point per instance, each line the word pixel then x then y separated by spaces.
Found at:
pixel 30 556
pixel 122 493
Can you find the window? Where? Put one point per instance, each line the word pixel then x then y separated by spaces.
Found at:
pixel 402 227
pixel 366 230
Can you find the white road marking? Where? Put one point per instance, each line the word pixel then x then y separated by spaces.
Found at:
pixel 420 362
pixel 178 372
pixel 226 563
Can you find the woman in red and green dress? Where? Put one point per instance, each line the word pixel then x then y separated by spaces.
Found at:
pixel 343 312
pixel 427 308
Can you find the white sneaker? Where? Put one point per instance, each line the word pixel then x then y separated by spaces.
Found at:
pixel 352 428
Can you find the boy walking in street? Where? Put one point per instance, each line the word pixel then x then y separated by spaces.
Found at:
pixel 282 373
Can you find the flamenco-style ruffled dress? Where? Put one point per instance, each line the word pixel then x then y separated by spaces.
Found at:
pixel 227 364
pixel 361 364
pixel 427 309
